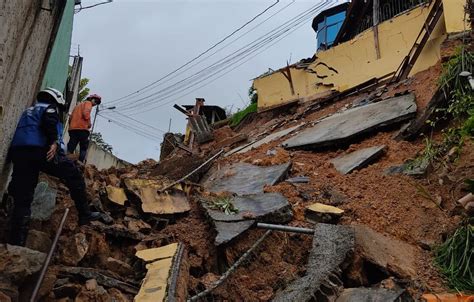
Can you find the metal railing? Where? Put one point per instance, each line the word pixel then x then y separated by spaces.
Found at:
pixel 389 9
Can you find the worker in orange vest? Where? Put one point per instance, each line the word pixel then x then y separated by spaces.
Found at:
pixel 80 125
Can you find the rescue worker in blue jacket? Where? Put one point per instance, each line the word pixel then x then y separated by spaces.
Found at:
pixel 36 146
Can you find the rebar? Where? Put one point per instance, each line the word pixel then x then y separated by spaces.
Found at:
pixel 285 228
pixel 48 258
pixel 231 269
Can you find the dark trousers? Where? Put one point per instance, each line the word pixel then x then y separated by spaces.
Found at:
pixel 27 163
pixel 80 137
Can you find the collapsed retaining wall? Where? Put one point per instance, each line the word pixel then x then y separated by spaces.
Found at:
pixel 102 159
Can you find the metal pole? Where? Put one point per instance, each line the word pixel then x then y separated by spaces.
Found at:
pixel 95 117
pixel 169 126
pixel 285 228
pixel 48 258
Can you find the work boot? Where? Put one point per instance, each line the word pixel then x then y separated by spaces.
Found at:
pixel 19 230
pixel 91 216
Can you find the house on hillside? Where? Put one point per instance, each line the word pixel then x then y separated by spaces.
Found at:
pixel 362 43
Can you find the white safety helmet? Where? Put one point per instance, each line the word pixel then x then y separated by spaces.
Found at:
pixel 56 94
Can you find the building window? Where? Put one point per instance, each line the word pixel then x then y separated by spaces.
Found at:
pixel 328 29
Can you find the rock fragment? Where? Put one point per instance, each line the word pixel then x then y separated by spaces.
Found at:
pixel 358 159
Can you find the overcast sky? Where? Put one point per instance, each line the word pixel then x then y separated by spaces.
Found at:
pixel 129 44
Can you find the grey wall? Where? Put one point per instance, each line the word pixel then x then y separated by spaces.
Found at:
pixel 103 159
pixel 26 37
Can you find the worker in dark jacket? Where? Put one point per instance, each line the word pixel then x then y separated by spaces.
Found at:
pixel 37 146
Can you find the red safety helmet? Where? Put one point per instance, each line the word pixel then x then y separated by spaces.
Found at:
pixel 96 97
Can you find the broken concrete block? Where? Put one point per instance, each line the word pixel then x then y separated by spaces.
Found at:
pixel 155 284
pixel 118 266
pixel 116 195
pixel 17 262
pixel 227 231
pixel 44 202
pixel 38 241
pixel 74 249
pixel 318 212
pixel 264 207
pixel 342 128
pixel 267 207
pixel 331 246
pixel 158 253
pixel 163 203
pixel 164 276
pixel 358 159
pixel 390 255
pixel 371 294
pixel 244 179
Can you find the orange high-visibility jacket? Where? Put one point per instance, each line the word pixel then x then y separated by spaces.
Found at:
pixel 81 116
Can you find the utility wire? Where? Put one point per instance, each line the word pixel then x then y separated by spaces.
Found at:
pixel 253 46
pixel 299 21
pixel 124 99
pixel 177 98
pixel 206 51
pixel 131 129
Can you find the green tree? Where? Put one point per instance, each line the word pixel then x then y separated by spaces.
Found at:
pixel 97 138
pixel 83 90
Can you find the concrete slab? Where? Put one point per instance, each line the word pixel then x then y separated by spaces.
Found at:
pixel 263 207
pixel 116 195
pixel 331 245
pixel 268 207
pixel 164 273
pixel 350 124
pixel 163 203
pixel 356 160
pixel 158 253
pixel 389 254
pixel 226 231
pixel 244 179
pixel 371 295
pixel 318 212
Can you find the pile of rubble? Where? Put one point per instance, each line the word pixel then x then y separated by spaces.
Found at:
pixel 190 227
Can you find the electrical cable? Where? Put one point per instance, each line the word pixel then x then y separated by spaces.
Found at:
pixel 210 55
pixel 207 50
pixel 243 54
pixel 175 100
pixel 253 46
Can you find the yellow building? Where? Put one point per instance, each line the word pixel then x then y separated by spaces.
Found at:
pixel 352 51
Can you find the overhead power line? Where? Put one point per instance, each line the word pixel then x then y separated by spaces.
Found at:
pixel 168 79
pixel 209 82
pixel 130 128
pixel 203 53
pixel 226 63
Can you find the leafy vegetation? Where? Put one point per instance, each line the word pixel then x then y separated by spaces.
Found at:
pixel 223 204
pixel 454 258
pixel 97 138
pixel 83 90
pixel 460 108
pixel 240 115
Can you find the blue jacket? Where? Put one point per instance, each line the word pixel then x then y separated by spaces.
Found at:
pixel 28 131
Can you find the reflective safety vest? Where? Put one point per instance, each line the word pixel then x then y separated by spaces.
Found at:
pixel 28 132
